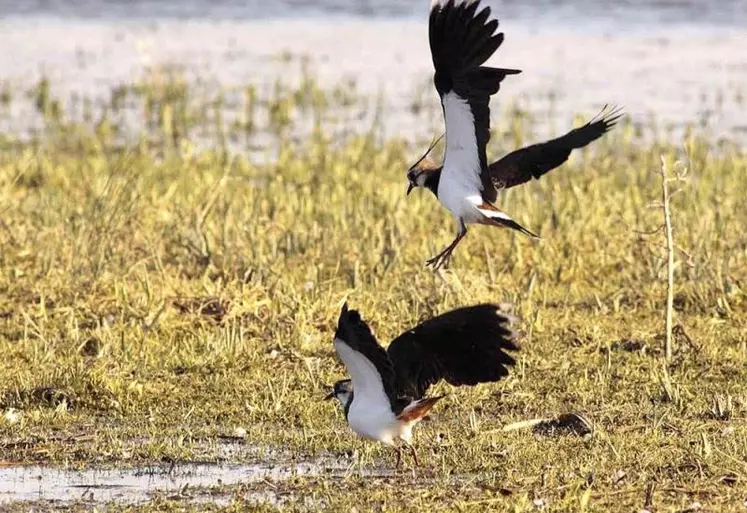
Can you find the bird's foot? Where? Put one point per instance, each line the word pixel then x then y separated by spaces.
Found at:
pixel 398 463
pixel 444 257
pixel 441 260
pixel 434 262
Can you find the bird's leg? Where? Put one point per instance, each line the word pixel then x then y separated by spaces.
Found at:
pixel 444 256
pixel 436 260
pixel 414 455
pixel 399 458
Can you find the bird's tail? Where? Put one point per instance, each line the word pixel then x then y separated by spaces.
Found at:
pixel 497 217
pixel 415 411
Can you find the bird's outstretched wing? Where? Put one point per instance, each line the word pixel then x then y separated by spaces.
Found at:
pixel 465 346
pixel 522 165
pixel 461 40
pixel 365 360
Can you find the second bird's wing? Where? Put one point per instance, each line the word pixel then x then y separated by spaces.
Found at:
pixel 522 165
pixel 465 346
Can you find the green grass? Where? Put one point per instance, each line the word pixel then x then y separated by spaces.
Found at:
pixel 169 295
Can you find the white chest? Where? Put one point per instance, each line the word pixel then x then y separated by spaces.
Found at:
pixel 460 187
pixel 374 421
pixel 460 195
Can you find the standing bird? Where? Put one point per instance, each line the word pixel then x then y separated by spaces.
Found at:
pixel 461 40
pixel 386 396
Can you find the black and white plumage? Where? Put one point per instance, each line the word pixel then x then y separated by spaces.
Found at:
pixel 461 40
pixel 534 161
pixel 520 166
pixel 385 396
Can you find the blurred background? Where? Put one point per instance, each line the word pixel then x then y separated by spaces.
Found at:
pixel 681 63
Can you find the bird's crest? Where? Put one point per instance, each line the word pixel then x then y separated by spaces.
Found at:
pixel 427 152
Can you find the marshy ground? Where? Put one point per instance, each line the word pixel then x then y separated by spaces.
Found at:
pixel 172 267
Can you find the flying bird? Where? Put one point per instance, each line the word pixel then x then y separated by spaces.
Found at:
pixel 386 395
pixel 461 40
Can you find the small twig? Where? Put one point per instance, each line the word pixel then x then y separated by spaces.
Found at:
pixel 649 497
pixel 690 262
pixel 614 493
pixel 523 424
pixel 7 229
pixel 679 329
pixel 670 256
pixel 644 232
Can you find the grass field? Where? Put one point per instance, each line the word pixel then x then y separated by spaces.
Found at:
pixel 160 302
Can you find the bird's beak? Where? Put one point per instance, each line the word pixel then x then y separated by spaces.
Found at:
pixel 410 188
pixel 329 396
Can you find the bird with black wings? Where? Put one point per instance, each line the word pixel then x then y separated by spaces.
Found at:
pixel 462 38
pixel 385 396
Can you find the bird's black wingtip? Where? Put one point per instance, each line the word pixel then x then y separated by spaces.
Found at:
pixel 507 321
pixel 461 38
pixel 350 322
pixel 348 315
pixel 500 317
pixel 609 116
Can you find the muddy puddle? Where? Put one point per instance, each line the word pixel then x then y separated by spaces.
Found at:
pixel 196 482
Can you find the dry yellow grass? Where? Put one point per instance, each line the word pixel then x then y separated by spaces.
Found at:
pixel 170 295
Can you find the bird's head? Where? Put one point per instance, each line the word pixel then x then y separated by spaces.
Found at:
pixel 419 172
pixel 342 391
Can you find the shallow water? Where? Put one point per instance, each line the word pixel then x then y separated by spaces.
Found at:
pixel 679 76
pixel 132 486
pixel 621 13
pixel 682 62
